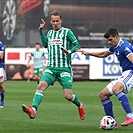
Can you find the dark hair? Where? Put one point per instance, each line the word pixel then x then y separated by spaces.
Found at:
pixel 111 32
pixel 56 13
pixel 37 43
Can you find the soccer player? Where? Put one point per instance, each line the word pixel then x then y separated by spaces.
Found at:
pixel 122 85
pixel 61 43
pixel 2 76
pixel 39 60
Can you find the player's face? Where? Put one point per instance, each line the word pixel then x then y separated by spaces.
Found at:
pixel 37 47
pixel 56 22
pixel 113 41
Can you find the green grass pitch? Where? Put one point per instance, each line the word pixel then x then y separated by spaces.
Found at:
pixel 55 114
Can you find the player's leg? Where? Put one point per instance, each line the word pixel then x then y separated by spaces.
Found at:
pixel 40 72
pixel 37 99
pixel 105 95
pixel 106 101
pixel 123 86
pixel 2 93
pixel 66 80
pixel 71 97
pixel 46 80
pixel 74 99
pixel 121 96
pixel 36 74
pixel 2 89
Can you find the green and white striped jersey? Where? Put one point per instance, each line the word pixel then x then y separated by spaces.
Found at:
pixel 38 58
pixel 53 42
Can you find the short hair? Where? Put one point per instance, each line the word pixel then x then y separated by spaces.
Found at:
pixel 37 43
pixel 111 32
pixel 56 13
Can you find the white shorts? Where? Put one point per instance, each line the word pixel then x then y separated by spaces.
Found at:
pixel 126 79
pixel 2 75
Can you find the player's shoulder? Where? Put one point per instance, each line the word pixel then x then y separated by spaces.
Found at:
pixel 125 42
pixel 126 46
pixel 33 52
pixel 66 29
pixel 42 51
pixel 1 47
pixel 1 44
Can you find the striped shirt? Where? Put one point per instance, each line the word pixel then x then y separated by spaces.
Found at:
pixel 38 57
pixel 53 42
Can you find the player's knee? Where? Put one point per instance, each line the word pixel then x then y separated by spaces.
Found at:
pixel 102 96
pixel 1 86
pixel 117 90
pixel 68 96
pixel 36 77
pixel 42 85
pixel 119 87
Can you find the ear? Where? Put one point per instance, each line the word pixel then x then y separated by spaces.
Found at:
pixel 117 36
pixel 61 19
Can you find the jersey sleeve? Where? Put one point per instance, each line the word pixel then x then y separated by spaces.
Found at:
pixel 44 38
pixel 31 54
pixel 71 37
pixel 43 53
pixel 127 51
pixel 1 47
pixel 111 50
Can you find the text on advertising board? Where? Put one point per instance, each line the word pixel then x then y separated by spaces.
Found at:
pixel 111 66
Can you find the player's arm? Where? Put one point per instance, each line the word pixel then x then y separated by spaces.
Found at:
pixel 43 37
pixel 1 50
pixel 71 37
pixel 128 53
pixel 130 57
pixel 101 54
pixel 45 60
pixel 28 63
pixel 1 54
pixel 73 40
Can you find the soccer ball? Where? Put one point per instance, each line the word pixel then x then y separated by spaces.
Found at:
pixel 107 123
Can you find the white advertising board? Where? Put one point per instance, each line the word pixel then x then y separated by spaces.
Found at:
pixel 20 56
pixel 17 58
pixel 104 68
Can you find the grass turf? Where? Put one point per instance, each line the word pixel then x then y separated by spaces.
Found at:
pixel 55 114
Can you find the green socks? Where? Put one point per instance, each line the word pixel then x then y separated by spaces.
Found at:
pixel 37 98
pixel 76 101
pixel 39 95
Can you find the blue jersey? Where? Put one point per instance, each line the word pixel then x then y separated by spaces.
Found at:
pixel 1 50
pixel 122 51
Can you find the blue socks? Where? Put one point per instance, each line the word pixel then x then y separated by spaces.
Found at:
pixel 2 93
pixel 107 104
pixel 124 102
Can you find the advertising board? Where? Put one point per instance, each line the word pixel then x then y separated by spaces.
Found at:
pixel 17 58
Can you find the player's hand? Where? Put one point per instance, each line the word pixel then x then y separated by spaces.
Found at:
pixel 65 50
pixel 83 52
pixel 28 65
pixel 42 24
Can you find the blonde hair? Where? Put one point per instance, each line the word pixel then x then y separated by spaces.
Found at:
pixel 56 13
